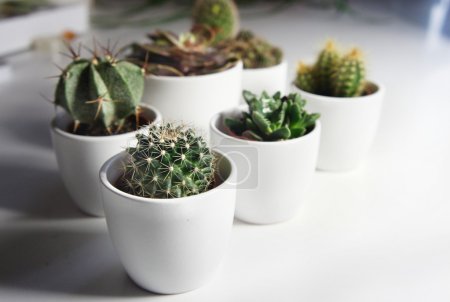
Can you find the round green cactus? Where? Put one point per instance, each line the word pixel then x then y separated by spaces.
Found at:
pixel 349 75
pixel 169 161
pixel 305 78
pixel 221 16
pixel 323 69
pixel 100 92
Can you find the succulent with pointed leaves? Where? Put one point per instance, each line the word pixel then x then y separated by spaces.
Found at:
pixel 169 161
pixel 349 75
pixel 272 118
pixel 252 50
pixel 186 54
pixel 221 16
pixel 100 92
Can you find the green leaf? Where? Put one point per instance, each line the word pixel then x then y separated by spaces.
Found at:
pixel 280 115
pixel 280 134
pixel 251 135
pixel 235 125
pixel 261 122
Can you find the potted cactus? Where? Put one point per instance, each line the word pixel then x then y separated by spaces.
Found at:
pixel 169 204
pixel 187 78
pixel 336 87
pixel 101 101
pixel 274 144
pixel 264 66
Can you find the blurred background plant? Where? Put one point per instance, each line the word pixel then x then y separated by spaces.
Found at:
pixel 133 13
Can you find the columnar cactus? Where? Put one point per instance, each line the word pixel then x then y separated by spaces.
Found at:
pixel 100 92
pixel 169 161
pixel 272 118
pixel 349 75
pixel 305 77
pixel 333 74
pixel 252 50
pixel 324 68
pixel 221 16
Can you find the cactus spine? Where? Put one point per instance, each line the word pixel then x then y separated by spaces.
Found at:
pixel 220 15
pixel 169 161
pixel 324 68
pixel 349 75
pixel 100 92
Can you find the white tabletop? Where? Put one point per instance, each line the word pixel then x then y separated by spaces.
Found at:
pixel 380 233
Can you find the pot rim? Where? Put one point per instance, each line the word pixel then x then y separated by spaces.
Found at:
pixel 238 65
pixel 64 133
pixel 380 91
pixel 215 129
pixel 280 65
pixel 169 201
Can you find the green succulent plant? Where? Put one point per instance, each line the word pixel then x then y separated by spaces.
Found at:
pixel 221 16
pixel 252 50
pixel 101 92
pixel 334 74
pixel 169 161
pixel 186 54
pixel 272 118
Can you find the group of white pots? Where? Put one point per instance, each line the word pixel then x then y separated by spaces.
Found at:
pixel 176 245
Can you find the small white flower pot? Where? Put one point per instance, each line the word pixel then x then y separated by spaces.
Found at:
pixel 349 125
pixel 170 246
pixel 80 158
pixel 273 177
pixel 270 79
pixel 194 99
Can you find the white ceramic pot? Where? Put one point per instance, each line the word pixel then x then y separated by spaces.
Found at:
pixel 273 177
pixel 348 127
pixel 170 246
pixel 194 99
pixel 80 158
pixel 270 79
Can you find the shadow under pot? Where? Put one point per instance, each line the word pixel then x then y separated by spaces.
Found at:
pixel 194 99
pixel 349 126
pixel 80 158
pixel 269 79
pixel 170 246
pixel 273 177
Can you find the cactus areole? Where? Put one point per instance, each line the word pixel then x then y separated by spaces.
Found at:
pixel 101 93
pixel 169 161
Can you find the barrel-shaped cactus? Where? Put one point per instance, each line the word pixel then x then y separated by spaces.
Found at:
pixel 272 118
pixel 221 16
pixel 349 75
pixel 324 67
pixel 169 161
pixel 100 92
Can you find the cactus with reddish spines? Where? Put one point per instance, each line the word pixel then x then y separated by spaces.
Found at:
pixel 221 16
pixel 349 75
pixel 272 118
pixel 305 78
pixel 324 67
pixel 169 161
pixel 101 92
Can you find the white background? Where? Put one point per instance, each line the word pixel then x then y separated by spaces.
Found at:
pixel 380 233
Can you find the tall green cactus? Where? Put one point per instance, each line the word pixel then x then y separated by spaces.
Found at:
pixel 349 75
pixel 220 15
pixel 333 74
pixel 305 78
pixel 100 92
pixel 169 161
pixel 272 118
pixel 324 68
